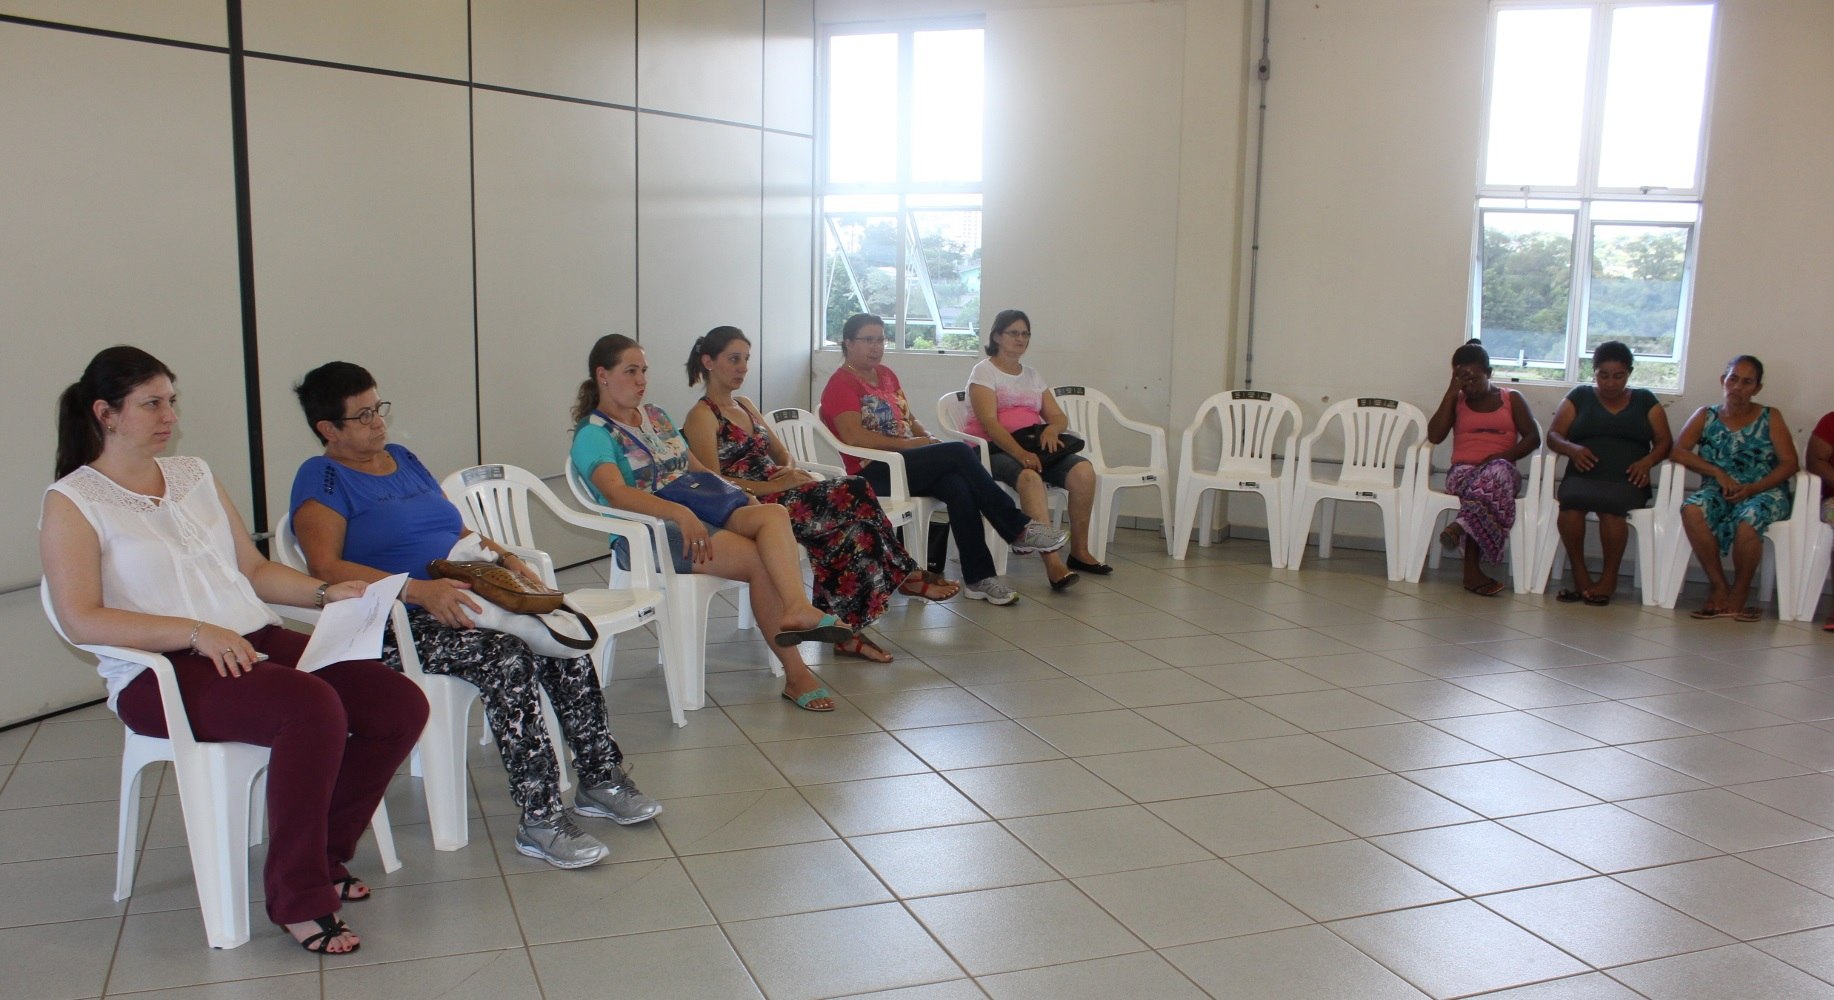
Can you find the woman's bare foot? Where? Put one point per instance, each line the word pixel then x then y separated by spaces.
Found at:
pixel 863 648
pixel 338 944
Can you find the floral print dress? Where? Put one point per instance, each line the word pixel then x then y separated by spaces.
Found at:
pixel 1747 455
pixel 854 551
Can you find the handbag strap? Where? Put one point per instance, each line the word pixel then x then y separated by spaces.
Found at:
pixel 592 634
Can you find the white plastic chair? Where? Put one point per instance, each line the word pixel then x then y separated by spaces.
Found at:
pixel 1376 469
pixel 1250 421
pixel 1783 568
pixel 494 501
pixel 439 756
pixel 1432 504
pixel 1647 524
pixel 1817 541
pixel 1084 406
pixel 952 413
pixel 686 597
pixel 803 434
pixel 220 793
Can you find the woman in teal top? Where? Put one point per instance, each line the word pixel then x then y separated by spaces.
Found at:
pixel 1746 456
pixel 626 450
pixel 1613 437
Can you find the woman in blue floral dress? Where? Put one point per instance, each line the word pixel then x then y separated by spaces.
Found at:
pixel 854 551
pixel 1744 453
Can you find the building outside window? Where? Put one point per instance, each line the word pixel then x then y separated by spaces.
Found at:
pixel 1590 185
pixel 901 182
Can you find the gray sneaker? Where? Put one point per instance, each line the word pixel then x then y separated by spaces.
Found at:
pixel 560 842
pixel 1039 537
pixel 993 590
pixel 617 800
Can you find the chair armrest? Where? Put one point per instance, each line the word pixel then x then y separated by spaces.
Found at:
pixel 178 725
pixel 541 561
pixel 978 444
pixel 899 487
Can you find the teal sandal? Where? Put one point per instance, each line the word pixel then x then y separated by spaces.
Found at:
pixel 829 629
pixel 802 700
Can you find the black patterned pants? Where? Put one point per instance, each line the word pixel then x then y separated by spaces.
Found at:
pixel 509 678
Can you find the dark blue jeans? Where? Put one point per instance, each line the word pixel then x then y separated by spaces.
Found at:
pixel 952 472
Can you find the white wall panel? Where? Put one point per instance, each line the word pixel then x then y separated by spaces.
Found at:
pixel 1082 172
pixel 43 673
pixel 413 36
pixel 557 260
pixel 362 241
pixel 698 239
pixel 788 303
pixel 705 58
pixel 789 65
pixel 186 20
pixel 576 48
pixel 118 215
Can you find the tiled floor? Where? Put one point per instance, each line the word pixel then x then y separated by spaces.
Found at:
pixel 1200 778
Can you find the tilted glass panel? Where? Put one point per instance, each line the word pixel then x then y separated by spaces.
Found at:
pixel 1655 95
pixel 863 109
pixel 1537 97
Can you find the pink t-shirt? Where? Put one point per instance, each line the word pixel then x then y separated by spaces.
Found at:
pixel 881 405
pixel 1478 436
pixel 1019 398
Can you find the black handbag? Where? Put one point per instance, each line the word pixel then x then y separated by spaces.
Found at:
pixel 711 498
pixel 1029 439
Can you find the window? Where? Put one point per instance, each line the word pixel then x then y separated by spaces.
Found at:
pixel 901 183
pixel 1589 194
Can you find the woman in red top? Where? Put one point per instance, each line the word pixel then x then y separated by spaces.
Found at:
pixel 1821 463
pixel 1491 429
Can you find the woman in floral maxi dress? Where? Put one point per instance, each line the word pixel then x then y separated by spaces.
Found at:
pixel 854 552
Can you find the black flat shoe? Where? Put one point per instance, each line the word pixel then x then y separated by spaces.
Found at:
pixel 1097 568
pixel 1065 582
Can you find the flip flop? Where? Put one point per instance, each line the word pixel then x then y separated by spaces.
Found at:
pixel 829 629
pixel 1749 615
pixel 860 646
pixel 1491 589
pixel 1569 597
pixel 1828 626
pixel 802 700
pixel 1598 600
pixel 1709 613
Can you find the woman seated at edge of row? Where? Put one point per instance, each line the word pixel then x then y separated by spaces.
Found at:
pixel 1007 395
pixel 1746 458
pixel 367 509
pixel 149 552
pixel 1821 463
pixel 1491 429
pixel 625 450
pixel 854 552
pixel 864 405
pixel 1614 436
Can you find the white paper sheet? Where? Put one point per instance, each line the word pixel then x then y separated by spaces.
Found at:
pixel 352 629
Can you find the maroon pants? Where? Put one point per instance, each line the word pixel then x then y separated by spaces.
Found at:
pixel 336 737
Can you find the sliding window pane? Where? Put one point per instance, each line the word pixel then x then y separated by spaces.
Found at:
pixel 863 109
pixel 948 251
pixel 859 268
pixel 1636 287
pixel 1527 281
pixel 1655 95
pixel 946 106
pixel 1537 97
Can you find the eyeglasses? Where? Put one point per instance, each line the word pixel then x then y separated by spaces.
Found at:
pixel 367 415
pixel 869 341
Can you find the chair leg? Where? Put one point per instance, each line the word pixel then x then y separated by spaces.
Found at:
pixel 442 755
pixel 1178 529
pixel 127 840
pixel 1276 501
pixel 1206 516
pixel 216 830
pixel 1101 520
pixel 1327 520
pixel 746 621
pixel 1165 508
pixel 1301 526
pixel 385 839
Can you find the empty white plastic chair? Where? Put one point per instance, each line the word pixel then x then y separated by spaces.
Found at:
pixel 1432 504
pixel 1646 524
pixel 218 789
pixel 686 597
pixel 439 757
pixel 1250 421
pixel 1085 406
pixel 1376 468
pixel 1816 542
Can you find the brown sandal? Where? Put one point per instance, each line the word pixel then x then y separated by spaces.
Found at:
pixel 861 648
pixel 929 586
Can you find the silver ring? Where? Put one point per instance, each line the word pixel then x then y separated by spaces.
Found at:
pixel 227 652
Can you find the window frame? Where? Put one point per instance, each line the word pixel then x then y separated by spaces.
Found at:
pixel 903 188
pixel 1581 198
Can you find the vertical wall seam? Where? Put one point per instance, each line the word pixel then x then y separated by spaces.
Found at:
pixel 471 152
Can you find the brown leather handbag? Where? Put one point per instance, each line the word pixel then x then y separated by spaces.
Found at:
pixel 499 586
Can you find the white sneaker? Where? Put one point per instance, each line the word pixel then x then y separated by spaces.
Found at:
pixel 993 590
pixel 1039 537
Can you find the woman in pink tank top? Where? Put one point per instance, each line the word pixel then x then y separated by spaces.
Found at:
pixel 1491 429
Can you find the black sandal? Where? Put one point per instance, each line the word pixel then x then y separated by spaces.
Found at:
pixel 1097 568
pixel 320 944
pixel 348 882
